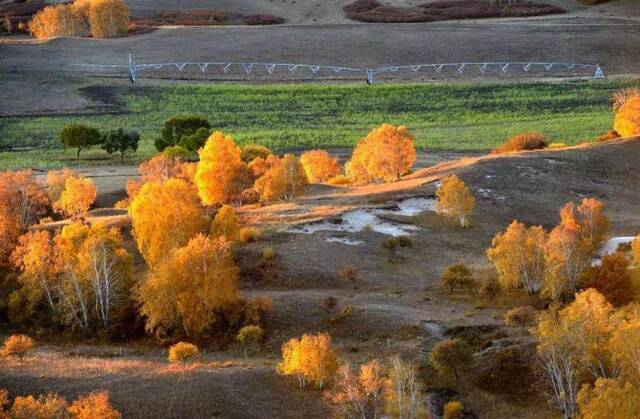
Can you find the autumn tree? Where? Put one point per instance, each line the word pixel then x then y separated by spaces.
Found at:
pixel 624 347
pixel 79 136
pixel 609 399
pixel 77 197
pixel 359 394
pixel 627 122
pixel 42 407
pixel 384 155
pixel 451 356
pixel 183 352
pixel 55 181
pixel 455 276
pixel 191 287
pixel 635 252
pixel 221 175
pixel 284 179
pixel 120 141
pixel 94 405
pixel 455 200
pixel 589 220
pixel 319 165
pixel 518 255
pixel 566 260
pixel 165 216
pixel 57 21
pixel 613 279
pixel 108 18
pixel 226 224
pixel 404 391
pixel 16 345
pixel 311 358
pixel 572 344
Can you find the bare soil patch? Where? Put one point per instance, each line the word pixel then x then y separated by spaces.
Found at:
pixel 371 11
pixel 205 17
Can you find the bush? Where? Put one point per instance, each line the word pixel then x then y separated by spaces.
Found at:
pixel 455 276
pixel 249 196
pixel 522 142
pixel 520 316
pixel 405 241
pixel 177 127
pixel 183 352
pixel 93 406
pixel 108 18
pixel 79 136
pixel 249 335
pixel 120 141
pixel 57 21
pixel 453 410
pixel 248 234
pixel 268 253
pixel 349 273
pixel 451 356
pixel 17 345
pixel 250 152
pixel 390 244
pixel 489 287
pixel 50 406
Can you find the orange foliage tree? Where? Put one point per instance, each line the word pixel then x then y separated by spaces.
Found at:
pixel 165 216
pixel 56 180
pixel 613 279
pixel 589 220
pixel 609 399
pixel 191 287
pixel 359 395
pixel 624 346
pixel 49 406
pixel 311 358
pixel 93 406
pixel 319 165
pixel 455 200
pixel 53 21
pixel 635 252
pixel 518 255
pixel 108 18
pixel 221 175
pixel 283 179
pixel 77 197
pixel 384 155
pixel 627 122
pixel 226 224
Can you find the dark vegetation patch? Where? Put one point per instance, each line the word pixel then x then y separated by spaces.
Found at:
pixel 372 11
pixel 15 14
pixel 205 17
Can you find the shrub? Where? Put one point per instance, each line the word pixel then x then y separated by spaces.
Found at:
pixel 390 244
pixel 17 345
pixel 384 155
pixel 120 141
pixel 250 152
pixel 520 316
pixel 311 358
pixel 93 406
pixel 55 21
pixel 344 313
pixel 108 18
pixel 250 196
pixel 455 276
pixel 268 253
pixel 522 142
pixel 248 234
pixel 349 273
pixel 249 335
pixel 453 410
pixel 405 241
pixel 489 287
pixel 44 407
pixel 319 165
pixel 451 356
pixel 183 352
pixel 177 127
pixel 627 122
pixel 79 136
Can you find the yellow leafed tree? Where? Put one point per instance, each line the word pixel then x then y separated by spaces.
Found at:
pixel 455 200
pixel 226 224
pixel 518 255
pixel 93 406
pixel 191 287
pixel 56 180
pixel 106 18
pixel 635 252
pixel 384 155
pixel 311 358
pixel 49 406
pixel 319 165
pixel 284 179
pixel 627 122
pixel 77 197
pixel 165 216
pixel 221 175
pixel 609 399
pixel 589 220
pixel 624 347
pixel 57 21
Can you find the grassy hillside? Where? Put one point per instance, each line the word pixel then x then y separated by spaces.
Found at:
pixel 443 117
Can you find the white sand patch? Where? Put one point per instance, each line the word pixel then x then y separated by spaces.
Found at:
pixel 415 206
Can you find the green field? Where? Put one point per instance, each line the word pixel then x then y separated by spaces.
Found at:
pixel 442 116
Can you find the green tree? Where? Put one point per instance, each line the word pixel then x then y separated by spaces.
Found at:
pixel 177 127
pixel 79 136
pixel 195 141
pixel 120 141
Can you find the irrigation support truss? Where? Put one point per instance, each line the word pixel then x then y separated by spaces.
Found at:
pixel 502 66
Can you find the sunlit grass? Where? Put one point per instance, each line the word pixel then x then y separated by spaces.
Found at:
pixel 443 117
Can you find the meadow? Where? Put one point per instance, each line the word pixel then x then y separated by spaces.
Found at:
pixel 443 117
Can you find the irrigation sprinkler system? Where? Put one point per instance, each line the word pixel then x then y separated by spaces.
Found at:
pixel 483 67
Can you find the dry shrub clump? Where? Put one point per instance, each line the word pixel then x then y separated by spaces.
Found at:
pixel 17 345
pixel 453 410
pixel 251 334
pixel 520 316
pixel 457 276
pixel 248 234
pixel 522 142
pixel 183 352
pixel 349 273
